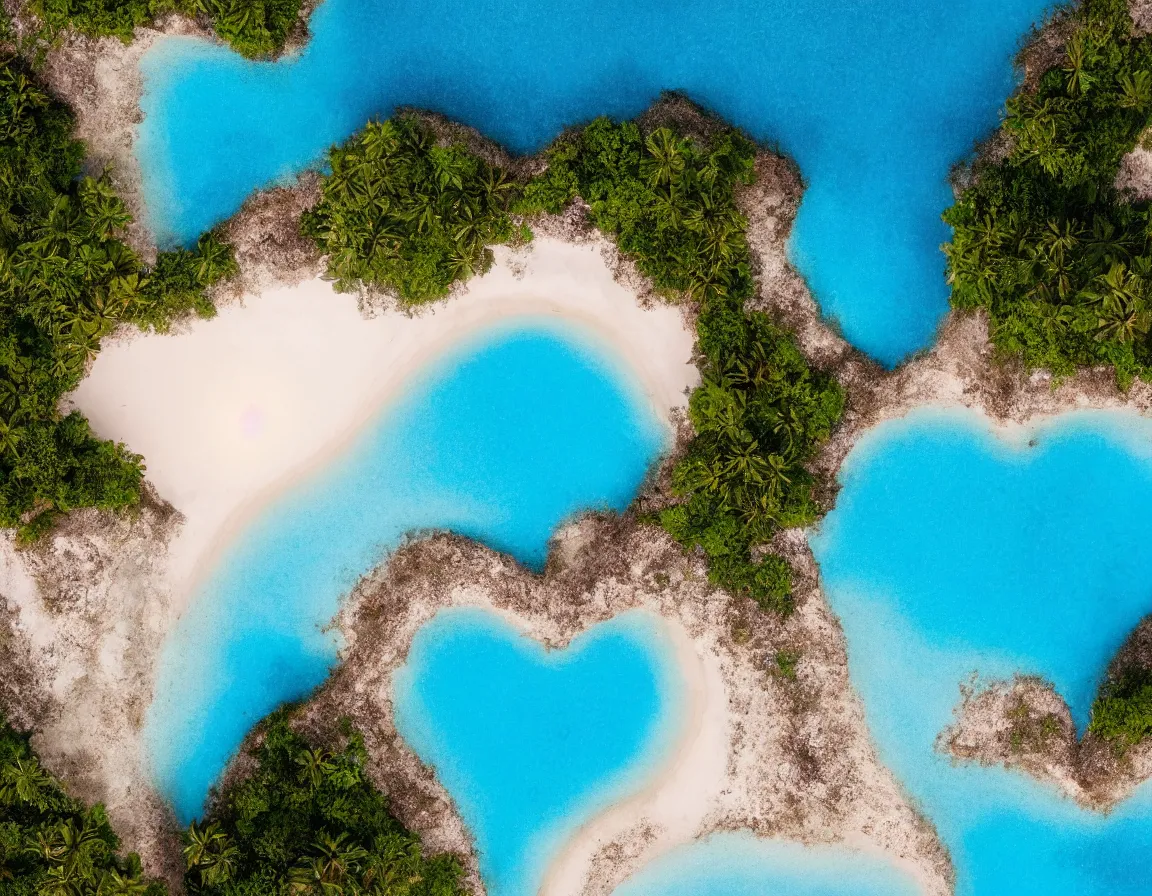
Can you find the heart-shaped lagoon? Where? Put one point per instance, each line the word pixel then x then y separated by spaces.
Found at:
pixel 530 742
pixel 953 550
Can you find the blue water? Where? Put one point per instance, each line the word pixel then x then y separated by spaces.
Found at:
pixel 953 552
pixel 500 442
pixel 743 865
pixel 875 99
pixel 531 743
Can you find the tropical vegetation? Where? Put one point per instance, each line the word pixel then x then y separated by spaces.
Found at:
pixel 256 28
pixel 67 281
pixel 1043 242
pixel 307 822
pixel 408 214
pixel 50 843
pixel 1123 711
pixel 761 412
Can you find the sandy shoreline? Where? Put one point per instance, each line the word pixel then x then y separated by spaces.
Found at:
pixel 233 411
pixel 678 794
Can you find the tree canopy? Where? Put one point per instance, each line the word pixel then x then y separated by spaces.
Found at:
pixel 307 822
pixel 255 28
pixel 66 281
pixel 1042 241
pixel 761 412
pixel 404 213
pixel 51 844
pixel 1123 711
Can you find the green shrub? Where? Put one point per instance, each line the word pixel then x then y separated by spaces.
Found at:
pixel 66 281
pixel 1123 711
pixel 307 822
pixel 1042 241
pixel 51 843
pixel 402 213
pixel 255 28
pixel 761 412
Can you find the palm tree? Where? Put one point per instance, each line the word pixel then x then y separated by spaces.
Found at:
pixel 23 780
pixel 315 765
pixel 1122 312
pixel 216 259
pixel 64 880
pixel 209 851
pixel 1136 90
pixel 393 866
pixel 113 883
pixel 330 873
pixel 9 444
pixel 666 161
pixel 1079 78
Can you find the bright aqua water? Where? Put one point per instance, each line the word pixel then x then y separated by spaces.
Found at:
pixel 531 743
pixel 499 442
pixel 742 865
pixel 875 99
pixel 952 552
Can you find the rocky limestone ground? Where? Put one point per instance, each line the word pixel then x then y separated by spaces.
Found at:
pixel 1024 724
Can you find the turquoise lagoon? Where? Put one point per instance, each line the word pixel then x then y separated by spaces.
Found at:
pixel 500 441
pixel 743 865
pixel 955 552
pixel 875 100
pixel 531 743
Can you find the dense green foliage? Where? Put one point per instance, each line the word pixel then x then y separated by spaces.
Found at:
pixel 66 281
pixel 761 412
pixel 1123 711
pixel 50 844
pixel 256 28
pixel 404 213
pixel 308 823
pixel 1042 240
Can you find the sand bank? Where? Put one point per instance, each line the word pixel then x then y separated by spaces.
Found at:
pixel 233 410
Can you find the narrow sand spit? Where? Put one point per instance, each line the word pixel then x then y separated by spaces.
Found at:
pixel 671 806
pixel 230 412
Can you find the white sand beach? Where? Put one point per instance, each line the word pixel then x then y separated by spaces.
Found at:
pixel 232 410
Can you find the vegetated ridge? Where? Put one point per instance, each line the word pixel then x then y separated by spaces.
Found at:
pixel 258 29
pixel 1043 241
pixel 402 213
pixel 304 820
pixel 52 844
pixel 67 281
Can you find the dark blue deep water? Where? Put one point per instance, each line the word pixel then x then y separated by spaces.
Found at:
pixel 875 99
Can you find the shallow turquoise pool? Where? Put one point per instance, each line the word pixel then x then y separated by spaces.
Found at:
pixel 875 99
pixel 500 441
pixel 953 552
pixel 742 865
pixel 531 743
